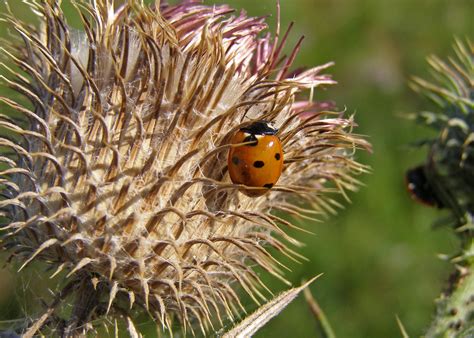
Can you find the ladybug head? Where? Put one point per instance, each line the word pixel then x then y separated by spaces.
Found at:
pixel 259 128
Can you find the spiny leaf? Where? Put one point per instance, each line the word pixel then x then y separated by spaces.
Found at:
pixel 265 313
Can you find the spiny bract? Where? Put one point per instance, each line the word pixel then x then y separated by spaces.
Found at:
pixel 115 173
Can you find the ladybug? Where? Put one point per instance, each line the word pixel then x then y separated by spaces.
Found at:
pixel 259 162
pixel 421 189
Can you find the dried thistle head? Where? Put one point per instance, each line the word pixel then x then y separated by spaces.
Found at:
pixel 115 172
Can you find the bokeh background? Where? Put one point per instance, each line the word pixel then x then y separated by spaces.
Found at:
pixel 379 254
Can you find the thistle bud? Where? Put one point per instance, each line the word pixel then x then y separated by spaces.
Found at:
pixel 450 163
pixel 115 173
pixel 448 176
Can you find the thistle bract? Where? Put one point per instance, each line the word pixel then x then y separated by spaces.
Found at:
pixel 115 164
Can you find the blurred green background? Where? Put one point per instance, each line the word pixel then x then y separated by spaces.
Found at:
pixel 379 254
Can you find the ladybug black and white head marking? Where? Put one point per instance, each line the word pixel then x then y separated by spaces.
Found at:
pixel 256 129
pixel 259 128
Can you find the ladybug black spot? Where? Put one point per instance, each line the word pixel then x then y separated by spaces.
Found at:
pixel 235 160
pixel 277 156
pixel 245 175
pixel 258 164
pixel 268 185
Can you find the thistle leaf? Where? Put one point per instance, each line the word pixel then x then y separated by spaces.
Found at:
pixel 266 312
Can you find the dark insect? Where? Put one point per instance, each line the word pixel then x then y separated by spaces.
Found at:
pixel 420 188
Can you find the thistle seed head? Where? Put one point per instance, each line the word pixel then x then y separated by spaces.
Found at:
pixel 115 171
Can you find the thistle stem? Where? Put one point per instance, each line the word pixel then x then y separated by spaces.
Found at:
pixel 455 308
pixel 323 323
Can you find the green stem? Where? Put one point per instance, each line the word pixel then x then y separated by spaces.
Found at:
pixel 324 326
pixel 455 308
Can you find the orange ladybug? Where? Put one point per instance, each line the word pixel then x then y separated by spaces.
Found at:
pixel 258 163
